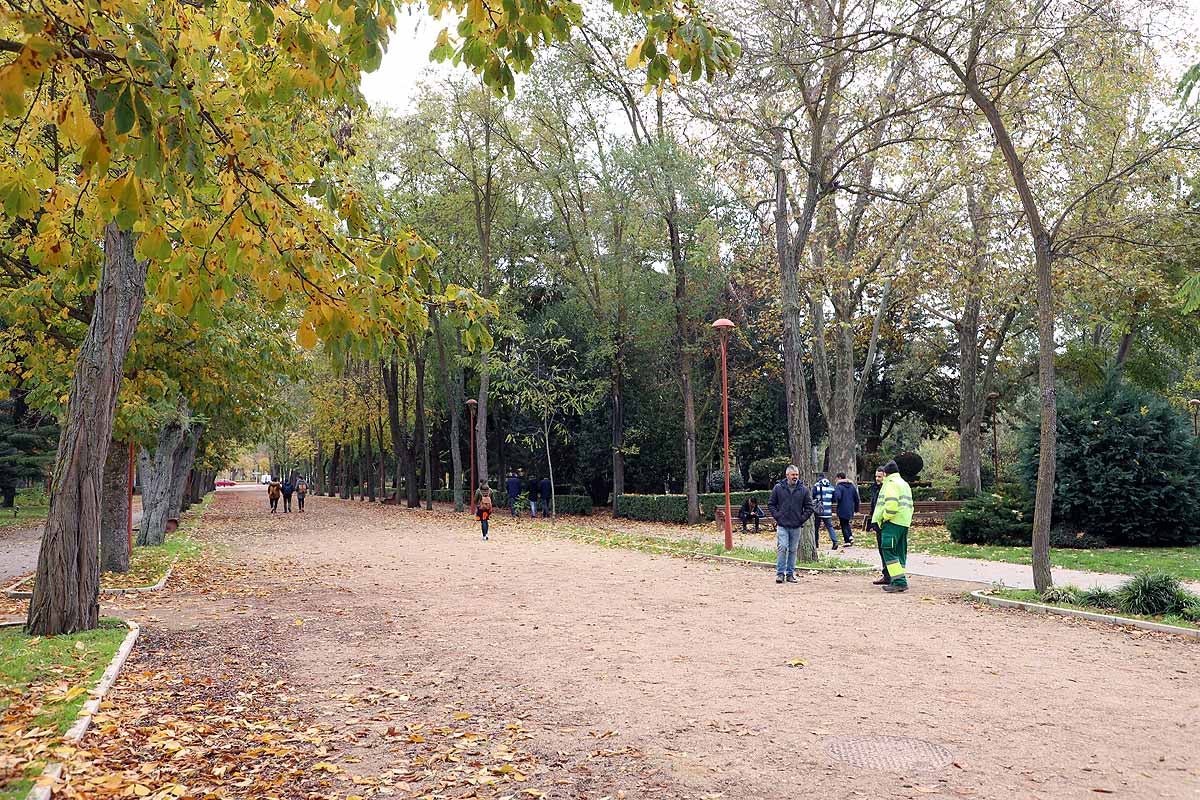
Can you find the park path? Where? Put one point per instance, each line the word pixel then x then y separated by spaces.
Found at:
pixel 635 675
pixel 19 549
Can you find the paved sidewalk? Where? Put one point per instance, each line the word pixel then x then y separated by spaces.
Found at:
pixel 1016 576
pixel 19 550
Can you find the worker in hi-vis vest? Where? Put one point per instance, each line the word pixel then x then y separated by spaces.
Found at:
pixel 892 518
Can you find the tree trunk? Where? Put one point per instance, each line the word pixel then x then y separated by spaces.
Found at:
pixel 423 424
pixel 158 470
pixel 412 491
pixel 618 434
pixel 453 391
pixel 181 466
pixel 334 463
pixel 684 357
pixel 114 515
pixel 67 585
pixel 391 388
pixel 369 462
pixel 481 426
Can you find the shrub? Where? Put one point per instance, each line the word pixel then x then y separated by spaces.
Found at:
pixel 709 503
pixel 716 481
pixel 768 471
pixel 990 519
pixel 1061 594
pixel 1099 597
pixel 1153 594
pixel 910 465
pixel 1075 539
pixel 654 507
pixel 1127 467
pixel 1191 613
pixel 577 504
pixel 927 493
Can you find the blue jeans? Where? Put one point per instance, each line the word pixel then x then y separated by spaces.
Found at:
pixel 532 507
pixel 787 541
pixel 828 523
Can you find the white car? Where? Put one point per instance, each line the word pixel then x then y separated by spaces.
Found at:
pixel 264 480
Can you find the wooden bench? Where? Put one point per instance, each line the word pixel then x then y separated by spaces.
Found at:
pixel 925 512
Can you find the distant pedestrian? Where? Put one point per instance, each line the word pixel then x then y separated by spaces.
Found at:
pixel 822 495
pixel 273 492
pixel 512 487
pixel 532 490
pixel 547 492
pixel 288 489
pixel 301 493
pixel 483 508
pixel 872 527
pixel 791 505
pixel 893 516
pixel 750 510
pixel 845 505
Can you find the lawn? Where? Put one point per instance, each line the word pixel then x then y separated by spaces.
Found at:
pixel 1031 596
pixel 44 681
pixel 1182 562
pixel 31 507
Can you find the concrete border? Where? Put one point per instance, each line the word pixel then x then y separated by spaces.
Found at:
pixel 984 596
pixel 19 594
pixel 43 789
pixel 731 560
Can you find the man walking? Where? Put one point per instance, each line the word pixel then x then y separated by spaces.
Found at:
pixel 845 503
pixel 791 506
pixel 547 492
pixel 892 518
pixel 532 489
pixel 287 488
pixel 512 487
pixel 822 495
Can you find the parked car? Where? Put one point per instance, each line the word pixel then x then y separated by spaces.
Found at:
pixel 226 483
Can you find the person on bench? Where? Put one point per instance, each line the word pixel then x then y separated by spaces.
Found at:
pixel 750 510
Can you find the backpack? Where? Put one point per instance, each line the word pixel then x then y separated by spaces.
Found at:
pixel 485 502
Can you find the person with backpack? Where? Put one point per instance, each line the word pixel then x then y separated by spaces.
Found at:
pixel 512 487
pixel 845 503
pixel 483 508
pixel 301 492
pixel 822 495
pixel 273 494
pixel 288 489
pixel 893 517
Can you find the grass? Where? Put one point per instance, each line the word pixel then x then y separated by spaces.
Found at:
pixel 1182 562
pixel 31 505
pixel 1031 596
pixel 44 681
pixel 691 548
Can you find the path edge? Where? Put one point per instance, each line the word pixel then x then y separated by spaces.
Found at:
pixel 15 593
pixel 43 788
pixel 984 596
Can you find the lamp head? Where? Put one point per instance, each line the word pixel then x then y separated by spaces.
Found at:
pixel 723 325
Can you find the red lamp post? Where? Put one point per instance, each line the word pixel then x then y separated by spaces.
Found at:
pixel 1195 404
pixel 471 406
pixel 723 327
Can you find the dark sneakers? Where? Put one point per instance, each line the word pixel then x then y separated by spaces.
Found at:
pixel 779 579
pixel 881 581
pixel 792 579
pixel 895 587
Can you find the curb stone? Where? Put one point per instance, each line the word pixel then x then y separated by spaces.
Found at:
pixel 43 789
pixel 983 596
pixel 14 592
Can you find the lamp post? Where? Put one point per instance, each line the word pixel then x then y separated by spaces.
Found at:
pixel 471 406
pixel 723 327
pixel 994 396
pixel 1195 404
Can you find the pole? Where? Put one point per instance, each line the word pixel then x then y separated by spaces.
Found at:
pixel 725 417
pixel 472 407
pixel 995 448
pixel 130 509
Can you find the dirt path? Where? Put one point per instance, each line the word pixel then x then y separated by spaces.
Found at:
pixel 428 657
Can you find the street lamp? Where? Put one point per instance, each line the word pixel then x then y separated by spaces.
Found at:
pixel 994 396
pixel 724 326
pixel 471 406
pixel 1195 404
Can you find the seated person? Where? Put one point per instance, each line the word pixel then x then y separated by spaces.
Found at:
pixel 750 511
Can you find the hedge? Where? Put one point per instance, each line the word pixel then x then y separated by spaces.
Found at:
pixel 673 507
pixel 578 504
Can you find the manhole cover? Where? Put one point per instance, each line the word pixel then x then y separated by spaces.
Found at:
pixel 897 753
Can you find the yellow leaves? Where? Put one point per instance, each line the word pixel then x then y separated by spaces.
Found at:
pixel 635 56
pixel 307 337
pixel 476 13
pixel 797 662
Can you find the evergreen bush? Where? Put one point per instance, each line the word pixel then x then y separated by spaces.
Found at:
pixel 654 507
pixel 1070 538
pixel 1062 594
pixel 716 481
pixel 766 472
pixel 1128 467
pixel 990 519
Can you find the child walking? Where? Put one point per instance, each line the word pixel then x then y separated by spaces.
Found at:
pixel 483 509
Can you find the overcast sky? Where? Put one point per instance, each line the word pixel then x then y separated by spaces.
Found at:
pixel 393 84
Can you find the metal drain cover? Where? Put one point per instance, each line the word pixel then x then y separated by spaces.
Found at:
pixel 897 753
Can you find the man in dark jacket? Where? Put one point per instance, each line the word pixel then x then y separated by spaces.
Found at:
pixel 791 505
pixel 870 526
pixel 845 505
pixel 512 487
pixel 547 497
pixel 532 489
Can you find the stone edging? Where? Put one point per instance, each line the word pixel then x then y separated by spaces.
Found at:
pixel 983 596
pixel 19 594
pixel 44 788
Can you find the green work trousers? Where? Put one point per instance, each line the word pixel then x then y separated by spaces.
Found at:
pixel 893 544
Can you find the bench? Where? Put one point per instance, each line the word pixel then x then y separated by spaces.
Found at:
pixel 925 512
pixel 766 521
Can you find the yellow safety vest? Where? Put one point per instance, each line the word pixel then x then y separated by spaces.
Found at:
pixel 895 504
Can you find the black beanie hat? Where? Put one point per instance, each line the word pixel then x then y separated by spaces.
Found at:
pixel 890 468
